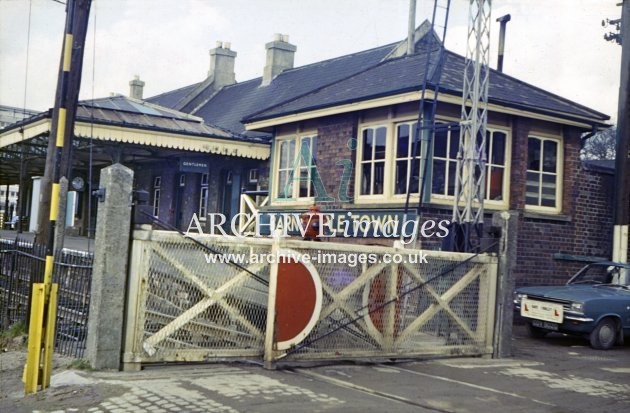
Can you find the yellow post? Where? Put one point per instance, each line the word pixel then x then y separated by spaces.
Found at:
pixel 49 336
pixel 31 376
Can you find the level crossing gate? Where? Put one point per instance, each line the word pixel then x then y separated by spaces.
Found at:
pixel 187 303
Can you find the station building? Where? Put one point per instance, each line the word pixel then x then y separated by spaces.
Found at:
pixel 354 117
pixel 339 134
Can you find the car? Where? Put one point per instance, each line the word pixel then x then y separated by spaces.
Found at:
pixel 594 303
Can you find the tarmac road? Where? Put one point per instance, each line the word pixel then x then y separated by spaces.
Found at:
pixel 558 374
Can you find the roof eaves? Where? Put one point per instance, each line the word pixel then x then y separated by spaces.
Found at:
pixel 330 105
pixel 26 121
pixel 601 121
pixel 232 136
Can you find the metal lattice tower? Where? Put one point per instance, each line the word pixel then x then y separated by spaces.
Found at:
pixel 471 157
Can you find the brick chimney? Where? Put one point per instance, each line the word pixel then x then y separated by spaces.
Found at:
pixel 136 87
pixel 280 54
pixel 222 65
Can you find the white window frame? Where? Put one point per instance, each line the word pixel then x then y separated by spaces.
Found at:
pixel 203 197
pixel 390 197
pixel 386 161
pixel 295 197
pixel 559 173
pixel 505 183
pixel 408 158
pixel 157 183
pixel 253 176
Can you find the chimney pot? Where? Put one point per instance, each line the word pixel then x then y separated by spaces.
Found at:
pixel 136 88
pixel 222 65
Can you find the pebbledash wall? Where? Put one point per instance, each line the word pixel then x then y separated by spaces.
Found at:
pixel 551 246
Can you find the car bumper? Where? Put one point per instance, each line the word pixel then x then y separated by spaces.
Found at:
pixel 572 323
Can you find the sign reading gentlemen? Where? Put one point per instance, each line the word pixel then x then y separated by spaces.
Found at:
pixel 198 165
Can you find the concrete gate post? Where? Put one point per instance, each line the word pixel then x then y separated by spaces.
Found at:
pixel 109 276
pixel 508 222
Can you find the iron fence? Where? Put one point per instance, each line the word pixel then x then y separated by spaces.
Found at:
pixel 22 264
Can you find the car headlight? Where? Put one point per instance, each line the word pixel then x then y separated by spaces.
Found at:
pixel 579 307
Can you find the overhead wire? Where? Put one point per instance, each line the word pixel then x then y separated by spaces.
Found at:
pixel 20 205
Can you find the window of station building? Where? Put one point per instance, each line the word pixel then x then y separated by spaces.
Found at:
pixel 296 164
pixel 543 188
pixel 406 142
pixel 386 168
pixel 445 148
pixel 157 183
pixel 373 160
pixel 203 196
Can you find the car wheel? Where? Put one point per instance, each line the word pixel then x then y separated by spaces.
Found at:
pixel 536 332
pixel 604 336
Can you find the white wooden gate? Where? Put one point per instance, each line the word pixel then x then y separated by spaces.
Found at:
pixel 182 306
pixel 187 304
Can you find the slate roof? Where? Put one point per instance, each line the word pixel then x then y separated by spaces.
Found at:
pixel 127 112
pixel 361 76
pixel 171 98
pixel 122 110
pixel 233 103
pixel 405 74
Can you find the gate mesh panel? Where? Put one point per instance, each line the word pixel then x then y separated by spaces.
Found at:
pixel 378 309
pixel 195 303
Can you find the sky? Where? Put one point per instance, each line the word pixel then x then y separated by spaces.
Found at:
pixel 557 45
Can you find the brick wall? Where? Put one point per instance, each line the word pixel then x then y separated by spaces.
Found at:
pixel 583 228
pixel 336 138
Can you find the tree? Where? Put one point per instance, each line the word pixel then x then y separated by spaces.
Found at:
pixel 601 145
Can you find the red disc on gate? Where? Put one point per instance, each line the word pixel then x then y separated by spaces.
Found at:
pixel 298 300
pixel 374 298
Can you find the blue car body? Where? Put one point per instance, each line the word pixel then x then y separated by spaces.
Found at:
pixel 594 303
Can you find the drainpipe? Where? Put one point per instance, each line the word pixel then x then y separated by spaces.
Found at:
pixel 503 20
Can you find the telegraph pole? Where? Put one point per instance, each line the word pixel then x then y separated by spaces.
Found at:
pixel 41 333
pixel 622 162
pixel 68 85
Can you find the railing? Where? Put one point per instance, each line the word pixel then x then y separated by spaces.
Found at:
pixel 21 265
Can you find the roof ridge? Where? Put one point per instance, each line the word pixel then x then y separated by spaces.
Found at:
pixel 380 63
pixel 174 90
pixel 86 103
pixel 318 89
pixel 293 69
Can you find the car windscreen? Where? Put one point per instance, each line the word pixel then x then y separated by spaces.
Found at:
pixel 600 274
